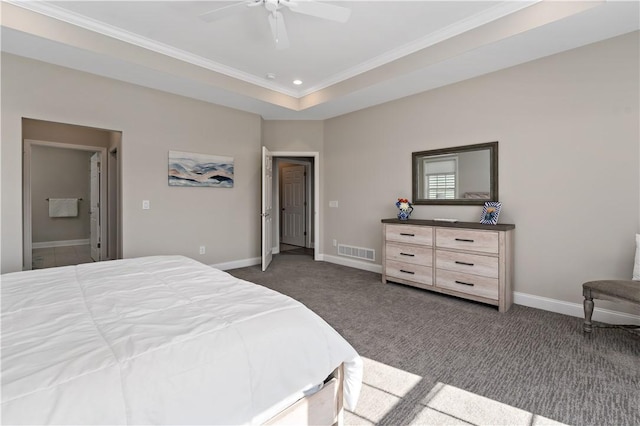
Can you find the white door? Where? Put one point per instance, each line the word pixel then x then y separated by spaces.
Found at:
pixel 94 208
pixel 267 208
pixel 294 206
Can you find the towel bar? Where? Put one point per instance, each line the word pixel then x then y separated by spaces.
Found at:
pixel 79 199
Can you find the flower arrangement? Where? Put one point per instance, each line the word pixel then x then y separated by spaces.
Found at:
pixel 403 204
pixel 404 208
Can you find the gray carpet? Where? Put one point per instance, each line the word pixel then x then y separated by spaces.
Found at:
pixel 534 360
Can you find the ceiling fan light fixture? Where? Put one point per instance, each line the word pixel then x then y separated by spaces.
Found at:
pixel 276 19
pixel 272 5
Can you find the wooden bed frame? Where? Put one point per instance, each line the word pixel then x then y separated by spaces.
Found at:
pixel 324 407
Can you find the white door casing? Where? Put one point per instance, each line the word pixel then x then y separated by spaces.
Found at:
pixel 94 208
pixel 294 205
pixel 27 243
pixel 267 208
pixel 315 212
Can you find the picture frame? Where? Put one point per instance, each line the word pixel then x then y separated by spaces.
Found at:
pixel 490 213
pixel 193 170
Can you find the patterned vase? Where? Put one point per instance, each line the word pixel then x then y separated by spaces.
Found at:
pixel 405 214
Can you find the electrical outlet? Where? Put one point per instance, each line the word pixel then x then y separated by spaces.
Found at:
pixel 333 204
pixel 146 205
pixel 203 249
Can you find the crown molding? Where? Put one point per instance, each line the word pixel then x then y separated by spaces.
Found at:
pixel 486 16
pixel 64 15
pixel 496 12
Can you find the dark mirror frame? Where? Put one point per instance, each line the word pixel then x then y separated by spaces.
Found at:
pixel 493 170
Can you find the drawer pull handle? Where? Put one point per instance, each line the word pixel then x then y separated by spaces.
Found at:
pixel 464 263
pixel 463 283
pixel 404 234
pixel 465 240
pixel 408 254
pixel 408 272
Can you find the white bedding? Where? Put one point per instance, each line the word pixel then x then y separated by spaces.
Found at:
pixel 162 340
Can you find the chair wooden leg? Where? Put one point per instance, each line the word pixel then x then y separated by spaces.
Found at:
pixel 588 312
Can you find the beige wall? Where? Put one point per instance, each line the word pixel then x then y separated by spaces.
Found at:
pixel 563 123
pixel 293 135
pixel 180 220
pixel 59 173
pixel 42 130
pixel 568 132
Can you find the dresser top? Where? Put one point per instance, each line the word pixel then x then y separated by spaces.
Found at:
pixel 443 224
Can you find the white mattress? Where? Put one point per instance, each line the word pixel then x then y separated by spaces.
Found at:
pixel 162 340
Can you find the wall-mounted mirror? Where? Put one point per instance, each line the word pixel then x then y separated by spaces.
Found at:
pixel 464 175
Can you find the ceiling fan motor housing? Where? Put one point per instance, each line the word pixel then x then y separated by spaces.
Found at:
pixel 272 5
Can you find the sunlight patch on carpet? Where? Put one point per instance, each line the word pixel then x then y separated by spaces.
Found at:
pixel 383 386
pixel 387 394
pixel 470 408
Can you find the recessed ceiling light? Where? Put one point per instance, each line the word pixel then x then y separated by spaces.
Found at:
pixel 271 76
pixel 297 82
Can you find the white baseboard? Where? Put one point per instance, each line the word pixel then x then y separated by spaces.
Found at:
pixel 66 243
pixel 524 299
pixel 544 303
pixel 353 263
pixel 574 309
pixel 237 264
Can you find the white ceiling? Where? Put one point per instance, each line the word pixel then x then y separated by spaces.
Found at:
pixel 386 50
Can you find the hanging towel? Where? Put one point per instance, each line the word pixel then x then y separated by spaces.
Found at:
pixel 63 207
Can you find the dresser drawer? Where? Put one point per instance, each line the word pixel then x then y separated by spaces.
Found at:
pixel 468 239
pixel 417 255
pixel 476 264
pixel 467 283
pixel 408 271
pixel 410 234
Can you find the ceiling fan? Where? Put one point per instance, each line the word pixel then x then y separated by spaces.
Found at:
pixel 276 19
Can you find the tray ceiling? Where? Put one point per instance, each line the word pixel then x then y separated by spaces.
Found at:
pixel 386 50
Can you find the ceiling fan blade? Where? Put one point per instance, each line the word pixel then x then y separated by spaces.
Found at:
pixel 223 12
pixel 279 31
pixel 319 10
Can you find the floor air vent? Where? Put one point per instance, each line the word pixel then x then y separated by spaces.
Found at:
pixel 359 252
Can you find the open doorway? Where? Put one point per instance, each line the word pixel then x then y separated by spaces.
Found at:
pixel 295 205
pixel 271 202
pixel 71 213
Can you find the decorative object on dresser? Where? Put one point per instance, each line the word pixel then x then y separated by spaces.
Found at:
pixel 404 208
pixel 464 259
pixel 490 213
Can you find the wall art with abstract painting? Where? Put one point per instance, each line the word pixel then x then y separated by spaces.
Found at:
pixel 190 169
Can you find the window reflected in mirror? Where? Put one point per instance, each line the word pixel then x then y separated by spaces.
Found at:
pixel 459 175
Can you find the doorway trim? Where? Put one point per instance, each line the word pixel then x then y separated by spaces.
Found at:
pixel 308 189
pixel 27 248
pixel 316 196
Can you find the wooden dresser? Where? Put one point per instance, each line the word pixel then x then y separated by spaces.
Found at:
pixel 464 259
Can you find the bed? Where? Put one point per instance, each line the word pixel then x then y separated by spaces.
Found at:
pixel 166 340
